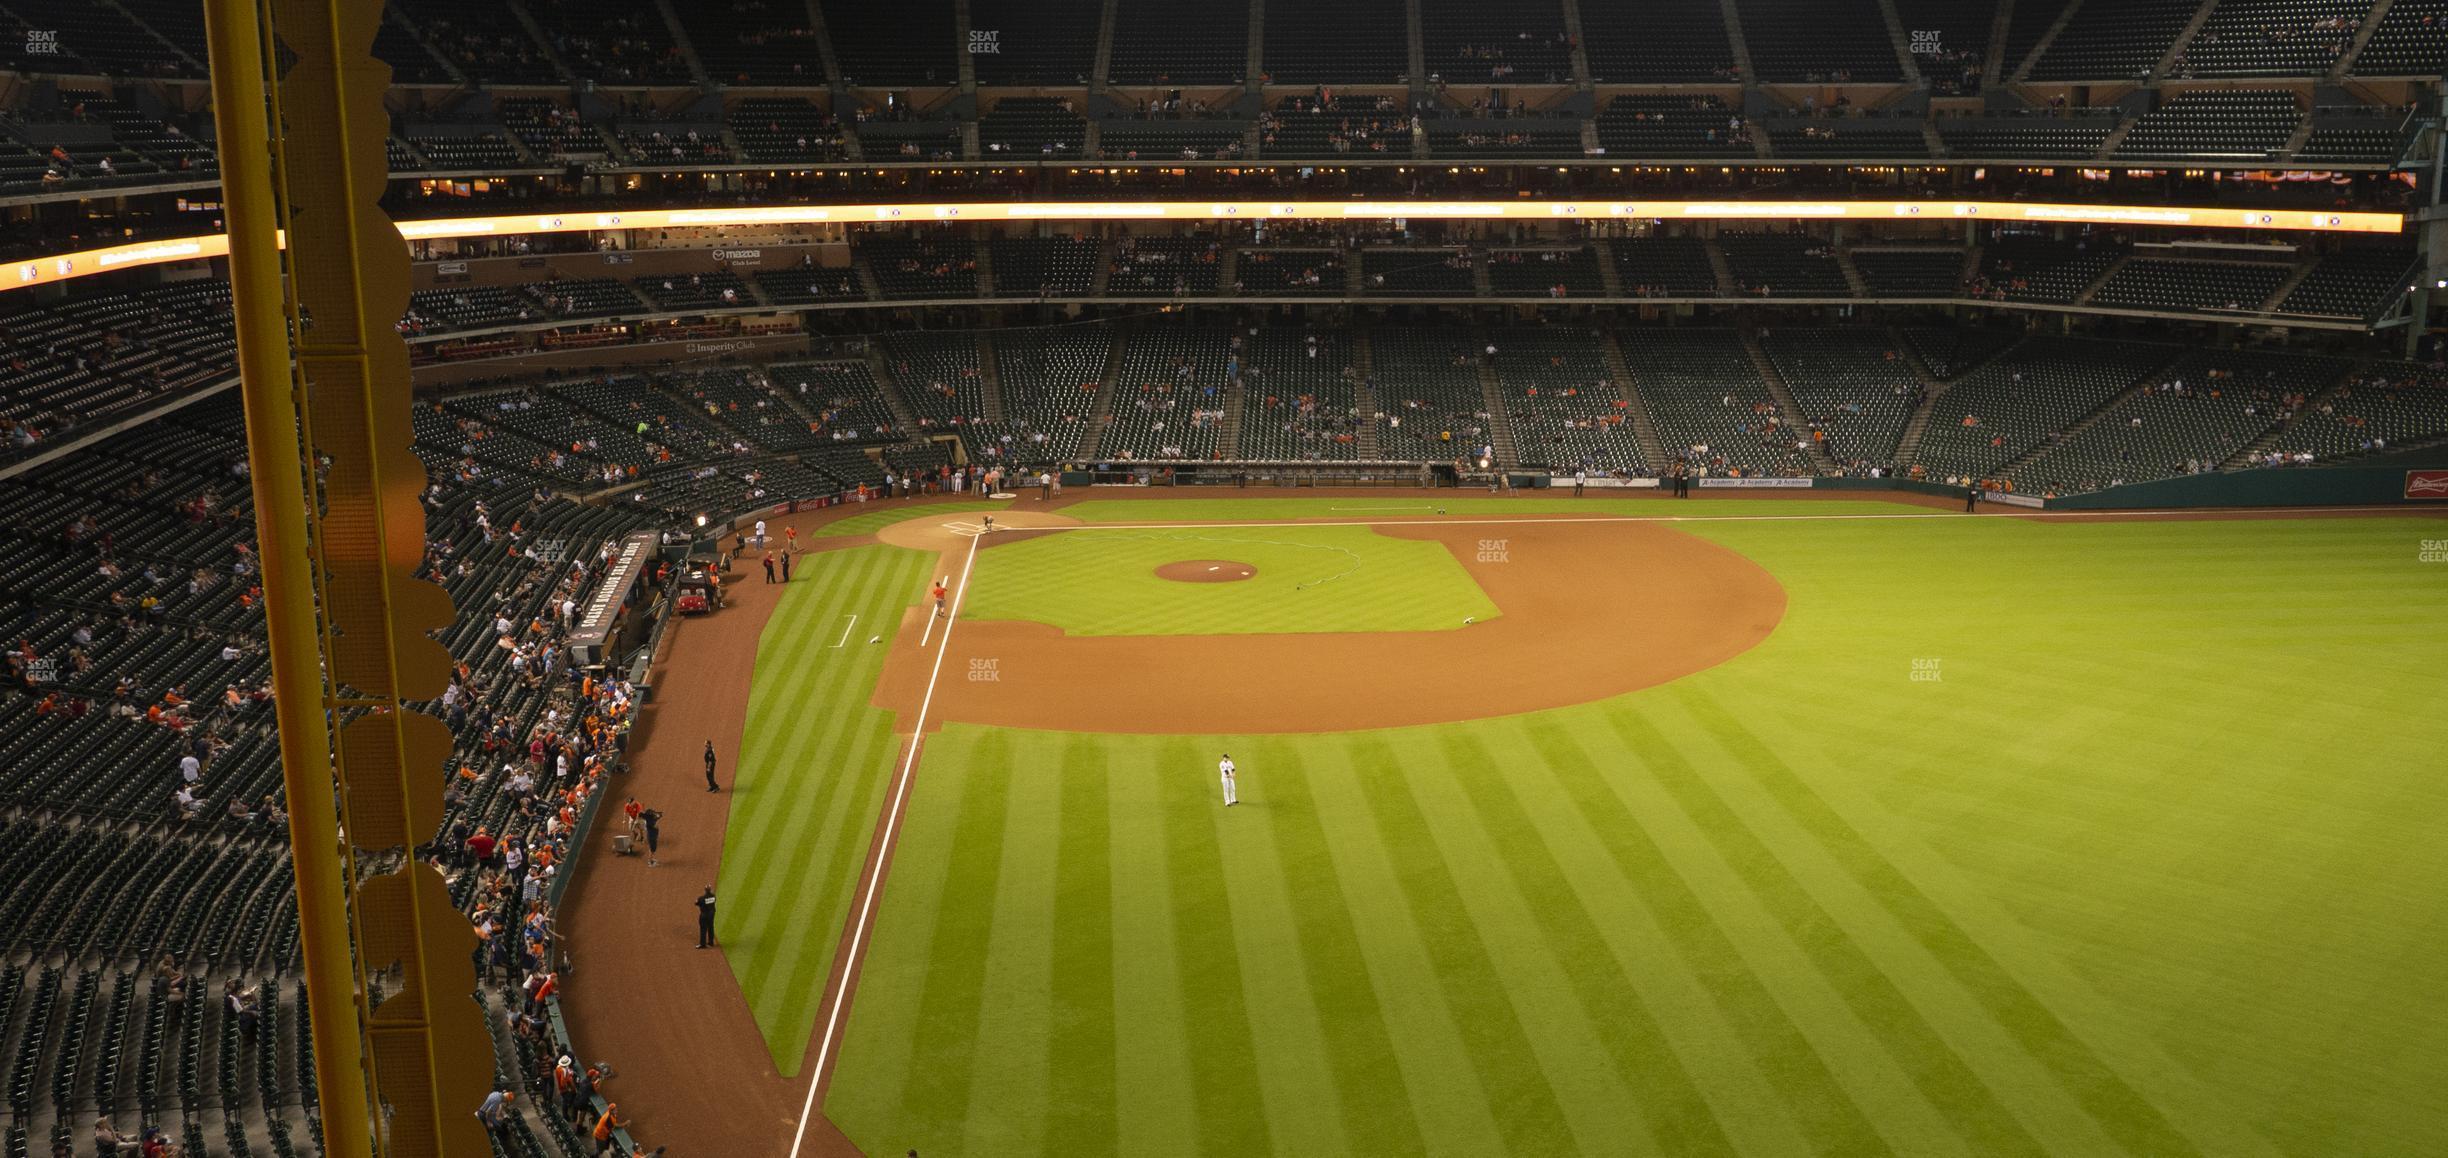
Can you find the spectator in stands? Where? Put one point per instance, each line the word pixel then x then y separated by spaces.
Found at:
pixel 565 1085
pixel 495 1114
pixel 175 981
pixel 605 1125
pixel 108 1140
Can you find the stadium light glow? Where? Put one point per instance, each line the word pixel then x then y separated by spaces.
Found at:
pixel 85 263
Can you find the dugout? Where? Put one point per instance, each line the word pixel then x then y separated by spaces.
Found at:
pixel 608 625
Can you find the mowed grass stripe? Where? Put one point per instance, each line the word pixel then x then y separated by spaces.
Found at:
pixel 1232 1113
pixel 1293 1074
pixel 1528 1115
pixel 1005 1113
pixel 2190 788
pixel 1370 1083
pixel 1944 1079
pixel 1456 1112
pixel 789 755
pixel 2133 1120
pixel 1786 1085
pixel 880 1038
pixel 936 1086
pixel 807 786
pixel 1155 1084
pixel 1079 1072
pixel 1609 1003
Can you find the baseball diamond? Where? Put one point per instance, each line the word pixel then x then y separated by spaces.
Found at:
pixel 1389 578
pixel 1751 825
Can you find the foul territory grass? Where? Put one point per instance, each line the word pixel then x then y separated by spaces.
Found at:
pixel 1308 579
pixel 816 761
pixel 2145 861
pixel 885 513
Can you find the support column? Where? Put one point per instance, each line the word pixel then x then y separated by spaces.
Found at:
pixel 234 37
pixel 348 539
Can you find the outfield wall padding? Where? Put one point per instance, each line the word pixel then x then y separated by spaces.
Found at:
pixel 2276 487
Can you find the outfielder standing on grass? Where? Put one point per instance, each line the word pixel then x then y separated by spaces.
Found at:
pixel 1232 795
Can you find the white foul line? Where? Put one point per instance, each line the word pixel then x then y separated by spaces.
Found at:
pixel 846 632
pixel 883 849
pixel 936 612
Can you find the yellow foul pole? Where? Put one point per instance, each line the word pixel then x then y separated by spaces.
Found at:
pixel 235 37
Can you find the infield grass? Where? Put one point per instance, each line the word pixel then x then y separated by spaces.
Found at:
pixel 1309 579
pixel 2151 866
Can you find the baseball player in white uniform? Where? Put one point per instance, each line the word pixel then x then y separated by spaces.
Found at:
pixel 1232 796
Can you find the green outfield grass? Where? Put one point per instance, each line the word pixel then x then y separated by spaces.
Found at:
pixel 2151 866
pixel 810 781
pixel 1097 582
pixel 1464 504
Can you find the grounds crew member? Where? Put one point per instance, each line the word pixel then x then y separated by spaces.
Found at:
pixel 705 919
pixel 709 761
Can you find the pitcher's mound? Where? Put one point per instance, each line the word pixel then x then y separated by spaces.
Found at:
pixel 1206 571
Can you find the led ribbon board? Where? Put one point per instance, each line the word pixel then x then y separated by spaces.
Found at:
pixel 65 266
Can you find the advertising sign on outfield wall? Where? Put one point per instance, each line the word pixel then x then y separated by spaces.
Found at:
pixel 2009 498
pixel 2427 484
pixel 1565 480
pixel 1802 483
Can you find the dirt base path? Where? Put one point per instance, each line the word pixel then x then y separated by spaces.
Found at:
pixel 1589 610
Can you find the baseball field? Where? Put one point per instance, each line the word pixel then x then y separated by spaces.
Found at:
pixel 1605 826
